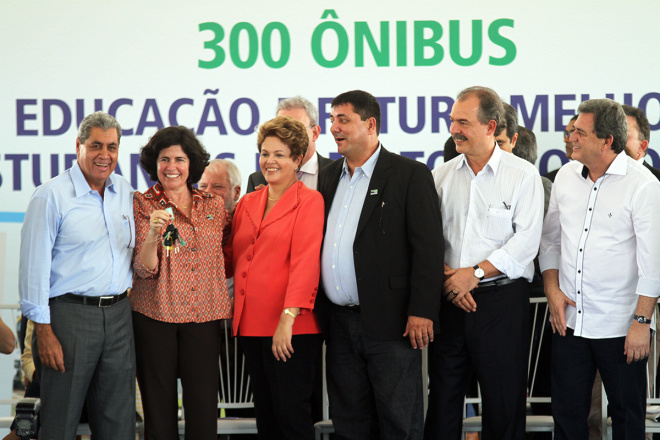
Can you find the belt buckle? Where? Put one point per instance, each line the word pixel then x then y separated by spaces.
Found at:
pixel 105 301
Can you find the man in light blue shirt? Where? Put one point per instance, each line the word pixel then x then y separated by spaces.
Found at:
pixel 381 277
pixel 75 269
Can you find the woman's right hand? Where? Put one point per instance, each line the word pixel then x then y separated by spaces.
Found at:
pixel 157 220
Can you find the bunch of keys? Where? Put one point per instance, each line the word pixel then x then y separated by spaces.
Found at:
pixel 171 237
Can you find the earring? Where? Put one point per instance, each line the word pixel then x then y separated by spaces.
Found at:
pixel 297 169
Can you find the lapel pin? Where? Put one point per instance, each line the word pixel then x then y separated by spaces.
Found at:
pixel 373 192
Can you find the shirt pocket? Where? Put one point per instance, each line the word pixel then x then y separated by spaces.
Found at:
pixel 128 229
pixel 499 225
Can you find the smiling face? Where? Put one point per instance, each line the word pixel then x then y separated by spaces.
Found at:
pixel 97 157
pixel 350 131
pixel 587 147
pixel 172 167
pixel 216 181
pixel 471 136
pixel 277 165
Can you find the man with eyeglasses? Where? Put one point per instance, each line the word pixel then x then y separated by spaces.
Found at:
pixel 304 111
pixel 569 146
pixel 75 270
pixel 600 257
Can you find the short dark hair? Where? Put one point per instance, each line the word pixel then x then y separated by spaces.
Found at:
pixel 364 104
pixel 490 106
pixel 511 120
pixel 449 151
pixel 293 133
pixel 167 137
pixel 643 125
pixel 609 119
pixel 526 147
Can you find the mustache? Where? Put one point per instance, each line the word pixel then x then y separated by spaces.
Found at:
pixel 459 137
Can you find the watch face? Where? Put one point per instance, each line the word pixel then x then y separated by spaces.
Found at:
pixel 479 273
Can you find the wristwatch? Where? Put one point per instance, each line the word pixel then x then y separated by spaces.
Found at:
pixel 641 319
pixel 478 272
pixel 290 313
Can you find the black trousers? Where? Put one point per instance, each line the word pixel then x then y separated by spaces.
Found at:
pixel 492 343
pixel 165 351
pixel 375 387
pixel 283 390
pixel 574 363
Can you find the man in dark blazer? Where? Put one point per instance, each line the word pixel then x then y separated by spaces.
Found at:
pixel 304 111
pixel 639 135
pixel 381 268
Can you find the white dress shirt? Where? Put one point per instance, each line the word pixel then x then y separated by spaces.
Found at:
pixel 496 215
pixel 603 237
pixel 310 172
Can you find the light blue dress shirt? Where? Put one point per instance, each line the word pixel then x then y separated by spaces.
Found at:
pixel 337 264
pixel 74 241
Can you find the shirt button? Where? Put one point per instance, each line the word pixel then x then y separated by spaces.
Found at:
pixel 580 250
pixel 579 271
pixel 249 257
pixel 589 209
pixel 579 311
pixel 578 292
pixel 242 291
pixel 244 275
pixel 595 188
pixel 585 229
pixel 253 241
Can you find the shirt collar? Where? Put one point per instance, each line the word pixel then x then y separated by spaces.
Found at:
pixel 80 185
pixel 157 194
pixel 618 166
pixel 493 163
pixel 312 165
pixel 367 167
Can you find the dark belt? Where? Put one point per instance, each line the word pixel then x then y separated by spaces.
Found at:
pixel 355 308
pixel 96 301
pixel 494 284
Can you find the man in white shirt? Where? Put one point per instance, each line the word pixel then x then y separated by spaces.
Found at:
pixel 492 211
pixel 600 258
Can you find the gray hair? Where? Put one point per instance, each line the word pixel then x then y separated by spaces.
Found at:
pixel 99 120
pixel 490 106
pixel 233 171
pixel 526 147
pixel 609 119
pixel 300 102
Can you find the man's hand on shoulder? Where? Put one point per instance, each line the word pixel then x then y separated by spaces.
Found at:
pixel 420 331
pixel 50 349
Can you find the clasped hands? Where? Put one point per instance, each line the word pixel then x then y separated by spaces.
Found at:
pixel 458 287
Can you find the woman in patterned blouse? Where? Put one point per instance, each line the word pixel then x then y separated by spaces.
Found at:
pixel 179 294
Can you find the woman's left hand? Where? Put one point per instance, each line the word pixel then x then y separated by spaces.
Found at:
pixel 282 348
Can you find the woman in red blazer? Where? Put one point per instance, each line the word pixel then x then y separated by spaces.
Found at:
pixel 274 247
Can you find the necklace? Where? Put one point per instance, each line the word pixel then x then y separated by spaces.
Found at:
pixel 273 200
